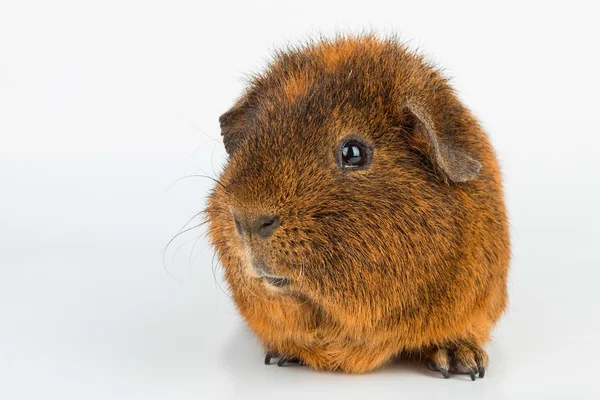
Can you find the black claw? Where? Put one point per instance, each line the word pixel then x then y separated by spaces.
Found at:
pixel 444 372
pixel 433 367
pixel 480 367
pixel 472 373
pixel 268 356
pixel 284 360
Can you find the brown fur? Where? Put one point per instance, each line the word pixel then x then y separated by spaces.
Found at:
pixel 409 255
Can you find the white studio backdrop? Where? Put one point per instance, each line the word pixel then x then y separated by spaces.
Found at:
pixel 105 105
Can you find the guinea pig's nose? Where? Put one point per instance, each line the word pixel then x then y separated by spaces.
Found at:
pixel 262 226
pixel 266 225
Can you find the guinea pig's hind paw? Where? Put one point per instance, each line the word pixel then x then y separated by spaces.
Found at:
pixel 459 358
pixel 469 358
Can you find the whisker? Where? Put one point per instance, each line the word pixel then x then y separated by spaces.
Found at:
pixel 195 176
pixel 192 253
pixel 204 248
pixel 215 277
pixel 198 129
pixel 212 159
pixel 181 232
pixel 198 165
pixel 177 251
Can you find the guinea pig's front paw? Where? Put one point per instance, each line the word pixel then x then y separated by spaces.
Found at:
pixel 282 360
pixel 463 357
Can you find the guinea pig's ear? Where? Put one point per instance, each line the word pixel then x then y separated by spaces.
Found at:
pixel 455 163
pixel 232 124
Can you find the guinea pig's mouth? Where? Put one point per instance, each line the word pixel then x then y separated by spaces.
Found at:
pixel 261 271
pixel 276 281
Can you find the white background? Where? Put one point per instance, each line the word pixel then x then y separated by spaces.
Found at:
pixel 105 105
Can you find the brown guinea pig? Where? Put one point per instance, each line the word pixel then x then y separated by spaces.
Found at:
pixel 360 216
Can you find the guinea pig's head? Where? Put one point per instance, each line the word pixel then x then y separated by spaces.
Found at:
pixel 344 160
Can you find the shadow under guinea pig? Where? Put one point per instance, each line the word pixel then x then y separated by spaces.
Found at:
pixel 243 358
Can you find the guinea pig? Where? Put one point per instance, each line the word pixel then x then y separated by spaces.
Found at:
pixel 360 215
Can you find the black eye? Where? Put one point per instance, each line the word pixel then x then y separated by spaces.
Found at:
pixel 354 154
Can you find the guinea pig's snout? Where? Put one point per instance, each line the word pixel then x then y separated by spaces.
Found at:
pixel 262 226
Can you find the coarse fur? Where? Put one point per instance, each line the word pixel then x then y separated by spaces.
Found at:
pixel 407 255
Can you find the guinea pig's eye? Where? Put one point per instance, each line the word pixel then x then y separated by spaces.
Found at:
pixel 354 154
